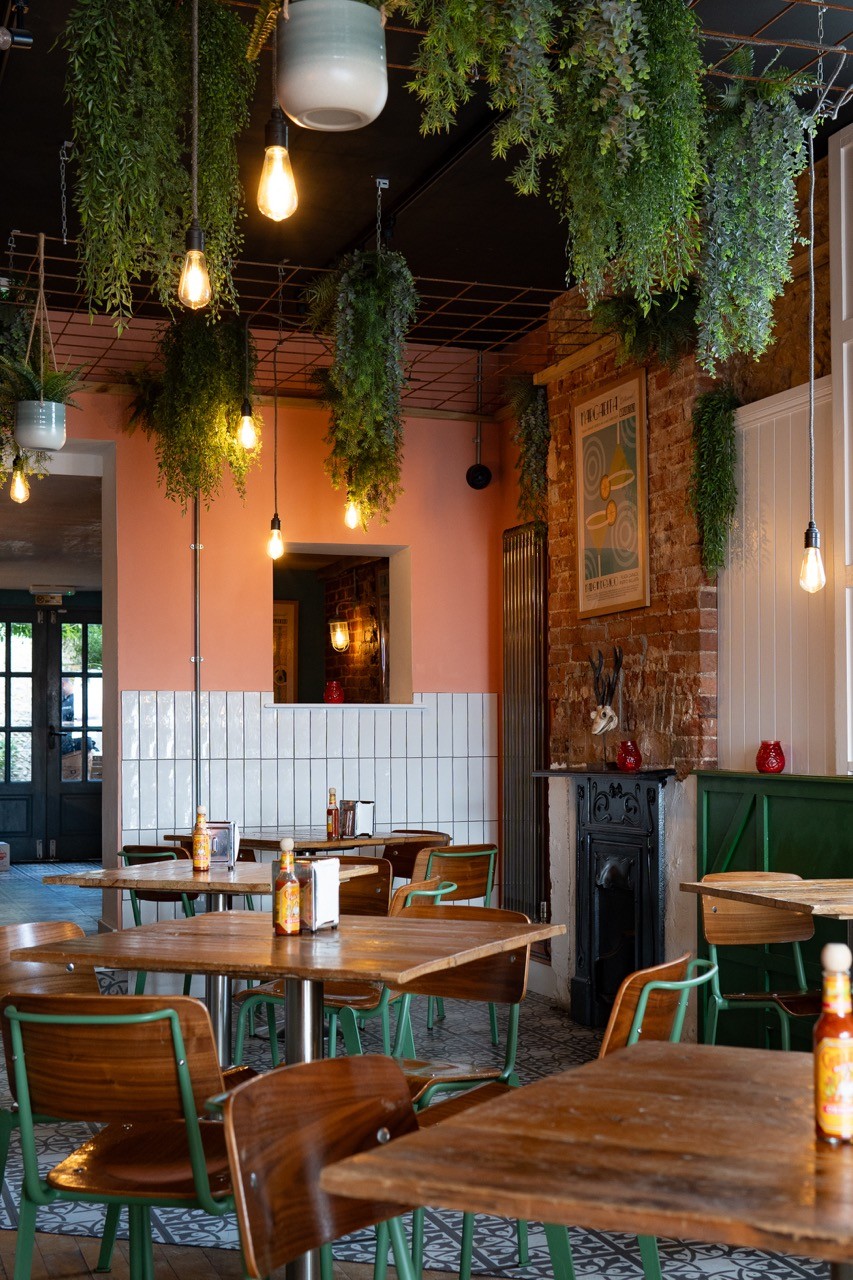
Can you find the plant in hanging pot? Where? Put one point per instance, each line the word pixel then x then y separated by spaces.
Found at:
pixel 40 397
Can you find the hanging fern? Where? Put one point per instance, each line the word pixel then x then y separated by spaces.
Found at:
pixel 532 434
pixel 755 151
pixel 713 491
pixel 15 320
pixel 365 308
pixel 665 332
pixel 192 409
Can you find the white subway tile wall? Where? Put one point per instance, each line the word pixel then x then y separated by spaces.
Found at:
pixel 433 766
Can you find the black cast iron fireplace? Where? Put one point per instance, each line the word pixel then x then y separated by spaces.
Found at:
pixel 620 888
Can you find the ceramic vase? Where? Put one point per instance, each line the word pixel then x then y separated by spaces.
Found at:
pixel 628 757
pixel 332 74
pixel 333 691
pixel 40 424
pixel 770 758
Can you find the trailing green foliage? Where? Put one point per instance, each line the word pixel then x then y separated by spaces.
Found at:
pixel 129 88
pixel 15 321
pixel 191 409
pixel 755 151
pixel 532 435
pixel 713 491
pixel 666 331
pixel 365 308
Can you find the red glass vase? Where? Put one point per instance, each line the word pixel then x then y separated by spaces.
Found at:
pixel 628 757
pixel 333 691
pixel 770 758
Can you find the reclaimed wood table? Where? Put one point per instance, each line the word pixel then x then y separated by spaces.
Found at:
pixel 218 884
pixel 830 898
pixel 305 839
pixel 683 1141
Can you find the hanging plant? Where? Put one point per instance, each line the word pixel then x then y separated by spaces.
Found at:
pixel 365 308
pixel 532 435
pixel 665 332
pixel 755 152
pixel 130 125
pixel 15 324
pixel 713 491
pixel 191 410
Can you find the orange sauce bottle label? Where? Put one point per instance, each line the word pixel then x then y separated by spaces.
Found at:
pixel 201 851
pixel 833 1077
pixel 287 919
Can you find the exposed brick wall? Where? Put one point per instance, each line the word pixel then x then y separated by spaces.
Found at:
pixel 360 595
pixel 669 685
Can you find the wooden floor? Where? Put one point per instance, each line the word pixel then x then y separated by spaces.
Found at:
pixel 73 1258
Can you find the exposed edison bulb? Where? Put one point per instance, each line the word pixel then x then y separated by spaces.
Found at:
pixel 19 490
pixel 812 573
pixel 277 198
pixel 352 515
pixel 275 542
pixel 194 285
pixel 247 435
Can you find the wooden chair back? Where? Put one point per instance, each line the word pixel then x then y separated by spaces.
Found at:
pixel 660 1010
pixel 728 923
pixel 102 1070
pixel 135 854
pixel 400 897
pixel 366 895
pixel 37 978
pixel 496 979
pixel 283 1128
pixel 471 867
pixel 402 856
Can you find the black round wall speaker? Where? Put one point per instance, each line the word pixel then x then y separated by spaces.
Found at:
pixel 478 476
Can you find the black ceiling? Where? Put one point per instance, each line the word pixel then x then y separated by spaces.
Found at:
pixel 459 219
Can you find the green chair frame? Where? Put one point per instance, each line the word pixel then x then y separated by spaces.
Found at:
pixel 718 1003
pixel 37 1193
pixel 132 855
pixel 699 973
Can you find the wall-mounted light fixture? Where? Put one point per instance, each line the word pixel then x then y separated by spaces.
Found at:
pixel 339 632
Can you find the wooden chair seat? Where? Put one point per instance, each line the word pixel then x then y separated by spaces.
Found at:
pixel 422 1075
pixel 352 995
pixel 135 1161
pixel 403 855
pixel 799 1004
pixel 461 1102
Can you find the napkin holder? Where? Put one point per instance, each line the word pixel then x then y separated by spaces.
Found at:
pixel 364 817
pixel 319 893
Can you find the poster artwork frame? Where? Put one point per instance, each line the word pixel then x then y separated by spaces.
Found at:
pixel 595 421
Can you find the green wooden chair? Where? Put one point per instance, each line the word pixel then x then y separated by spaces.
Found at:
pixel 650 1005
pixel 134 855
pixel 141 1066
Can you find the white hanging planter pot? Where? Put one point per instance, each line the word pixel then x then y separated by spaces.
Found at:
pixel 40 424
pixel 332 74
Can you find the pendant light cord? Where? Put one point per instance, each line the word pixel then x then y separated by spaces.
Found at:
pixel 811 324
pixel 195 111
pixel 275 387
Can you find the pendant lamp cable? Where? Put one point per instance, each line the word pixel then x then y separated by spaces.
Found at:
pixel 811 324
pixel 41 320
pixel 194 151
pixel 275 382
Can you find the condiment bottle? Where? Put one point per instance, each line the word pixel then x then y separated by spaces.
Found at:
pixel 285 909
pixel 201 841
pixel 333 817
pixel 833 1048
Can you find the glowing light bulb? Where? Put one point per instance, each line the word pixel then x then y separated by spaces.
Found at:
pixel 339 632
pixel 277 197
pixel 352 515
pixel 19 490
pixel 247 435
pixel 275 542
pixel 812 573
pixel 194 286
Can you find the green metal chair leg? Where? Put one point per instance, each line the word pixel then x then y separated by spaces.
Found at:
pixel 402 1257
pixel 139 985
pixel 8 1123
pixel 26 1238
pixel 712 1017
pixel 493 1022
pixel 188 982
pixel 108 1239
pixel 560 1249
pixel 332 1051
pixel 467 1246
pixel 349 1029
pixel 404 1041
pixel 418 1240
pixel 273 1034
pixel 650 1256
pixel 522 1236
pixel 380 1262
pixel 785 1028
pixel 326 1264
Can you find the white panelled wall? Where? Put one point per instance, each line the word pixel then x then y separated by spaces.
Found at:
pixel 776 671
pixel 433 764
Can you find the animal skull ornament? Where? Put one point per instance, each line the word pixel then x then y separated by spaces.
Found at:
pixel 604 718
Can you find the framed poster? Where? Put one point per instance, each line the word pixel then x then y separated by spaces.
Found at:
pixel 612 498
pixel 285 650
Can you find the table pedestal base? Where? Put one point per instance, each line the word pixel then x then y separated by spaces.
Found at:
pixel 303 1042
pixel 217 997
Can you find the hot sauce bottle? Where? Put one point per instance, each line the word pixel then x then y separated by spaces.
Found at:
pixel 833 1048
pixel 333 817
pixel 201 841
pixel 285 910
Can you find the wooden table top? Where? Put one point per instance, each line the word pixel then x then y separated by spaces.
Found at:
pixel 830 898
pixel 682 1141
pixel 178 877
pixel 394 950
pixel 306 838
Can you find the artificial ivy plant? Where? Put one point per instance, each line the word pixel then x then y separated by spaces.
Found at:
pixel 129 88
pixel 532 435
pixel 191 408
pixel 365 308
pixel 755 150
pixel 713 489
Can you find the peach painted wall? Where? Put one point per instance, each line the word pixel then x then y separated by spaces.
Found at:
pixel 454 533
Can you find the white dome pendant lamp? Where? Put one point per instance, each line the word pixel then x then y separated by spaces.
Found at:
pixel 332 74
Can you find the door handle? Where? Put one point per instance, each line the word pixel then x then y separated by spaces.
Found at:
pixel 52 735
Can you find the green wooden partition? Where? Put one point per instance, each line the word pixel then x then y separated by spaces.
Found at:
pixel 772 822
